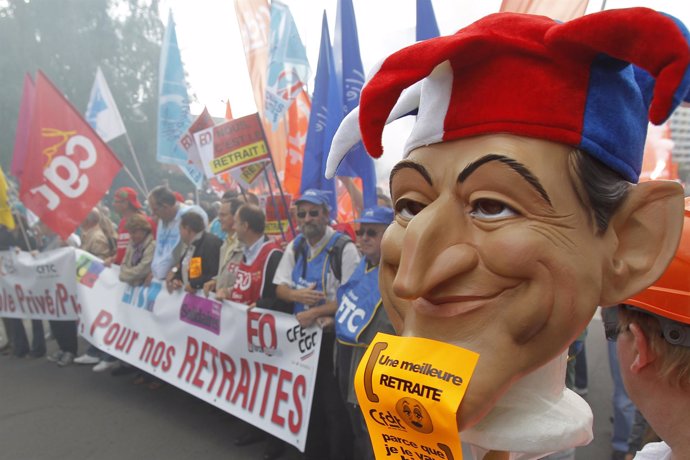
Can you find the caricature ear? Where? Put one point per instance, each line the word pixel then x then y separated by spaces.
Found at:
pixel 647 228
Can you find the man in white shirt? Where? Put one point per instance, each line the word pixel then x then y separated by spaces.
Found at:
pixel 169 247
pixel 312 269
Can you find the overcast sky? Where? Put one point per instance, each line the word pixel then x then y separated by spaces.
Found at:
pixel 213 56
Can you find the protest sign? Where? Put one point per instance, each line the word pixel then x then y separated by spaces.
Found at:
pixel 38 287
pixel 277 213
pixel 231 145
pixel 186 142
pixel 246 175
pixel 409 390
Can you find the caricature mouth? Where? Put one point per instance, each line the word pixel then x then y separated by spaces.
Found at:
pixel 446 307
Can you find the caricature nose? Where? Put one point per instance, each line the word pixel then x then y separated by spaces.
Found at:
pixel 435 249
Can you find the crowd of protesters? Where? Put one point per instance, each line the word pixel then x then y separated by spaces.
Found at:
pixel 222 251
pixel 322 276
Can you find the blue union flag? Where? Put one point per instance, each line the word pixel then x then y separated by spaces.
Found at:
pixel 173 100
pixel 350 72
pixel 288 68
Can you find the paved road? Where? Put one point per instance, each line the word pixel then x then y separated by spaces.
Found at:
pixel 50 413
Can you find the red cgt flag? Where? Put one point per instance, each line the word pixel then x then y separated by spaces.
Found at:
pixel 71 167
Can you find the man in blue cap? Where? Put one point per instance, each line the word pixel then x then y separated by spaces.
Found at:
pixel 313 267
pixel 360 317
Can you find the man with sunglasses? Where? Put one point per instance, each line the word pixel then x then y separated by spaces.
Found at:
pixel 307 278
pixel 653 344
pixel 360 317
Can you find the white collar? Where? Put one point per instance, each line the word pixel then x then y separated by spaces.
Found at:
pixel 537 416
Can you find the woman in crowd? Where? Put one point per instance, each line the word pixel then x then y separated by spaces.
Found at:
pixel 136 264
pixel 136 267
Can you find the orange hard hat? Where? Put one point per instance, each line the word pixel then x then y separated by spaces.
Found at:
pixel 670 295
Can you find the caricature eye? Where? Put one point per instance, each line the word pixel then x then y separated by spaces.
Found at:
pixel 407 208
pixel 491 209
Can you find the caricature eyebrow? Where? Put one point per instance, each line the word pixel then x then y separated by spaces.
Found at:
pixel 412 165
pixel 512 164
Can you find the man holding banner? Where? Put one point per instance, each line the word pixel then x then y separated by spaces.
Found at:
pixel 230 251
pixel 200 259
pixel 253 286
pixel 169 247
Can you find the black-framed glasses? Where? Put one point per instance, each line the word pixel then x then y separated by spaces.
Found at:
pixel 612 330
pixel 370 232
pixel 312 213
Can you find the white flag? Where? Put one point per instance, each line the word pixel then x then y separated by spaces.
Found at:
pixel 102 113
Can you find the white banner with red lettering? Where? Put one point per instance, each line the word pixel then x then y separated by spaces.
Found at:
pixel 40 286
pixel 256 364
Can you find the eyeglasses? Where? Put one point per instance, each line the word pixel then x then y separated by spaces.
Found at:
pixel 312 213
pixel 370 232
pixel 611 331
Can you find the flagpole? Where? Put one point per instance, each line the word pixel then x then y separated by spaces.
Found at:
pixel 136 162
pixel 275 173
pixel 244 194
pixel 131 176
pixel 20 223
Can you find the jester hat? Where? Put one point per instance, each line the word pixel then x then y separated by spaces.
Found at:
pixel 591 83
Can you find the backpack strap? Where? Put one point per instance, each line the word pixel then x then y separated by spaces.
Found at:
pixel 335 255
pixel 300 249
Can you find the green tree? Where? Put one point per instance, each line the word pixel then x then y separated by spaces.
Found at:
pixel 68 40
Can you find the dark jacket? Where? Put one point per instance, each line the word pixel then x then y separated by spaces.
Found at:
pixel 208 250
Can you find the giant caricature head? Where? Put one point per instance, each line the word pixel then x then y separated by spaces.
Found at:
pixel 516 209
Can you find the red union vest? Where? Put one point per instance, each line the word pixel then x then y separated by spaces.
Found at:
pixel 249 282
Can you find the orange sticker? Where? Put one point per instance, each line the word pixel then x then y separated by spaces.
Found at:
pixel 409 390
pixel 195 267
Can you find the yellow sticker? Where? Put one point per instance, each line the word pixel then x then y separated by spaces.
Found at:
pixel 409 390
pixel 195 267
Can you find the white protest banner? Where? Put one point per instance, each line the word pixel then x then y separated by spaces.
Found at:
pixel 38 287
pixel 256 364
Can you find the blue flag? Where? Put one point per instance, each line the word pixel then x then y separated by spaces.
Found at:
pixel 101 112
pixel 321 127
pixel 350 72
pixel 173 101
pixel 426 21
pixel 288 67
pixel 194 175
